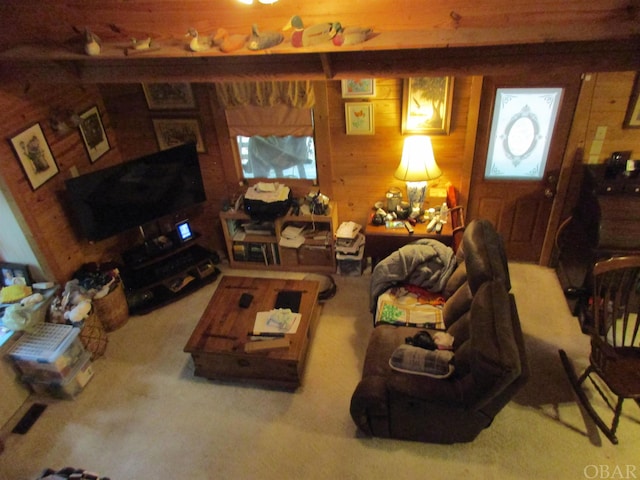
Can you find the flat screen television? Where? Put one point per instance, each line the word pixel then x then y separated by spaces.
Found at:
pixel 115 199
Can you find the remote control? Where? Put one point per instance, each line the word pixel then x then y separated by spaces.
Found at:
pixel 408 226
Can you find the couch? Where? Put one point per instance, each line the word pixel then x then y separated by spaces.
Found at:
pixel 489 361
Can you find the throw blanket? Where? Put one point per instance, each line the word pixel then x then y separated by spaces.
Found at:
pixel 427 263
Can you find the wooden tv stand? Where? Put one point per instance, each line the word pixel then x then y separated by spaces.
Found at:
pixel 163 270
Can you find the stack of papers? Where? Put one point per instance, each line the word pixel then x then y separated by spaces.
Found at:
pixel 278 320
pixel 291 237
pixel 268 192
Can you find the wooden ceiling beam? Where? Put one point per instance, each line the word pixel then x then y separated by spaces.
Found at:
pixel 570 57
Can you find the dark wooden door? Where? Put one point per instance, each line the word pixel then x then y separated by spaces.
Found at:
pixel 517 205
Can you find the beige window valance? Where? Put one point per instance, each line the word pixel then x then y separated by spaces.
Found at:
pixel 266 94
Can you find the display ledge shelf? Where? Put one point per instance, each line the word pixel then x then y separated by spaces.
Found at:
pixel 447 51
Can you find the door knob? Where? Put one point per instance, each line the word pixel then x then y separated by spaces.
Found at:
pixel 549 193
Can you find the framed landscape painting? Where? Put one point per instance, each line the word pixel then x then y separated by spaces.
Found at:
pixel 426 105
pixel 171 132
pixel 35 156
pixel 169 96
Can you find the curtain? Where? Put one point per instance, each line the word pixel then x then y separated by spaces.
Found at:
pixel 266 94
pixel 268 108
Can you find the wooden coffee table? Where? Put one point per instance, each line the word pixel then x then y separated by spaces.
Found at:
pixel 218 345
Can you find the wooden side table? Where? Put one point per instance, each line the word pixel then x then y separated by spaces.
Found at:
pixel 381 241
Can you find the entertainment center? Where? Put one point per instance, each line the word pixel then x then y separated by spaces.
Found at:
pixel 164 270
pixel 140 193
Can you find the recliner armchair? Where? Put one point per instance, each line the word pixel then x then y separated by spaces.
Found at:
pixel 489 356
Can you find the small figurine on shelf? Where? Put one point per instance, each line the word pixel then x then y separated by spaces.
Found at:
pixel 308 36
pixel 227 42
pixel 199 43
pixel 92 43
pixel 263 40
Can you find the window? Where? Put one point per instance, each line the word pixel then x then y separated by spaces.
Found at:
pixel 277 156
pixel 271 123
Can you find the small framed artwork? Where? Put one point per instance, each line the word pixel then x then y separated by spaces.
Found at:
pixel 93 134
pixel 426 105
pixel 35 156
pixel 632 118
pixel 358 88
pixel 15 274
pixel 169 96
pixel 359 118
pixel 171 132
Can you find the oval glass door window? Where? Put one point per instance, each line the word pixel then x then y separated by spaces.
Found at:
pixel 521 129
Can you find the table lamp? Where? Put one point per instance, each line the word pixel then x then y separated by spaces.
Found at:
pixel 417 165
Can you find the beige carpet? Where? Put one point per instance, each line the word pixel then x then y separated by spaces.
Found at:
pixel 144 415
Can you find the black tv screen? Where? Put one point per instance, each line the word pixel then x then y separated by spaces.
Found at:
pixel 133 193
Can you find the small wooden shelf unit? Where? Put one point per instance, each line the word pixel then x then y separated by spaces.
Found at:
pixel 263 250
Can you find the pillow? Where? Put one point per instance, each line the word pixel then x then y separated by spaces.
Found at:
pixel 418 361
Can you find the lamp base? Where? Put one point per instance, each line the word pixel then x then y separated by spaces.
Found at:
pixel 415 193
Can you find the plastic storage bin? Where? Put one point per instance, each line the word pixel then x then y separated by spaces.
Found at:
pixel 351 265
pixel 49 352
pixel 69 386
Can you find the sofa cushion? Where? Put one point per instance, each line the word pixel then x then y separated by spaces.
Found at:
pixel 495 359
pixel 456 280
pixel 457 305
pixel 460 330
pixel 419 361
pixel 484 255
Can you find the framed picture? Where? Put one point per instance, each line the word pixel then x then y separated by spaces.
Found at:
pixel 35 156
pixel 171 132
pixel 359 118
pixel 358 88
pixel 93 134
pixel 169 96
pixel 15 274
pixel 632 119
pixel 426 105
pixel 521 129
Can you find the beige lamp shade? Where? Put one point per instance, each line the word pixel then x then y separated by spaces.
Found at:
pixel 418 162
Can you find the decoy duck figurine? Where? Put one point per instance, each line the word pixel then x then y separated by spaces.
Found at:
pixel 92 43
pixel 313 35
pixel 229 42
pixel 144 44
pixel 351 35
pixel 198 43
pixel 261 40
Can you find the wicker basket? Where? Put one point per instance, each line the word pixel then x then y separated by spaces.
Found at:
pixel 112 309
pixel 93 336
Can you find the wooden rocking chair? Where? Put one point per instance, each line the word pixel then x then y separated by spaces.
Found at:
pixel 615 340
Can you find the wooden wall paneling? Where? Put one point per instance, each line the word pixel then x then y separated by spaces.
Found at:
pixel 363 165
pixel 134 127
pixel 44 210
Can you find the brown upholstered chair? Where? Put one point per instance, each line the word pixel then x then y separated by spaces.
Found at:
pixel 615 340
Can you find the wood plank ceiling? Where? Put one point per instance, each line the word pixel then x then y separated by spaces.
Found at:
pixel 42 39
